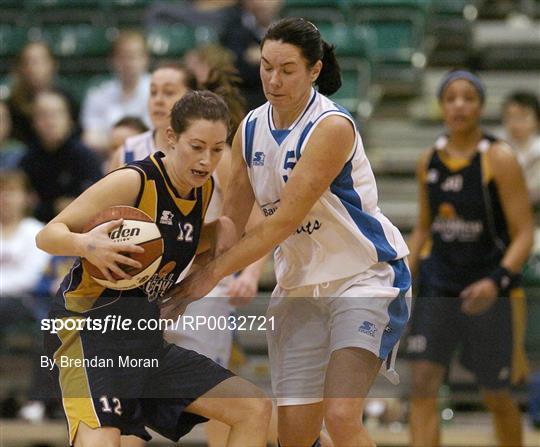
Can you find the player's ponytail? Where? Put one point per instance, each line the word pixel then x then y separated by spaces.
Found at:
pixel 329 80
pixel 224 82
pixel 306 37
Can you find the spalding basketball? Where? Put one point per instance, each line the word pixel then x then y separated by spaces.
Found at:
pixel 137 228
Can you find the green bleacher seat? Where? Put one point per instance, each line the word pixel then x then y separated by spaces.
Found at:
pixel 65 11
pixel 79 41
pixel 12 40
pixel 177 40
pixel 314 10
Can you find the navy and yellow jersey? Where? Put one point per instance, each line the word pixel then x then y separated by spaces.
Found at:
pixel 180 222
pixel 469 232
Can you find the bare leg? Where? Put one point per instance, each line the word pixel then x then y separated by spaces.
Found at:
pixel 349 376
pixel 103 436
pixel 506 417
pixel 290 417
pixel 248 417
pixel 131 441
pixel 424 418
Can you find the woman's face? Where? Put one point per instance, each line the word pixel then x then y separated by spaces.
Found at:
pixel 461 106
pixel 286 79
pixel 520 122
pixel 52 120
pixel 166 87
pixel 37 67
pixel 196 152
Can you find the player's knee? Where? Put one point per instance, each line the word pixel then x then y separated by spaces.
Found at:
pixel 255 410
pixel 426 381
pixel 340 417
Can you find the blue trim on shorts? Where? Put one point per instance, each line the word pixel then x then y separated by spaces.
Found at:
pixel 398 309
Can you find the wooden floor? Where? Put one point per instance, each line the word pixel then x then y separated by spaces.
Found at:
pixel 471 432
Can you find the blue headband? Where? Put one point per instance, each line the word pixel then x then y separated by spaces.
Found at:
pixel 462 74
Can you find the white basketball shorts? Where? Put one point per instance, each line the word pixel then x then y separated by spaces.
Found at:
pixel 369 310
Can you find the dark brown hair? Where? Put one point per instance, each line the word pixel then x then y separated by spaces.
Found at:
pixel 307 38
pixel 198 104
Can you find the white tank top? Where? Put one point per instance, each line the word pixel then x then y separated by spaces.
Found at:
pixel 344 233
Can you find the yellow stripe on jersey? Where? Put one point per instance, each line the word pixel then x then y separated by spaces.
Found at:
pixel 453 164
pixel 149 199
pixel 82 299
pixel 207 190
pixel 76 396
pixel 520 365
pixel 184 205
pixel 487 172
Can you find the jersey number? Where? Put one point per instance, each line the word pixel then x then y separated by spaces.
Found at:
pixel 289 164
pixel 185 234
pixel 106 407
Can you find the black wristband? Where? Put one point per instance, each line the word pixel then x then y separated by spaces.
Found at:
pixel 502 277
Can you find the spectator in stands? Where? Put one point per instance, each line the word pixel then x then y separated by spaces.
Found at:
pixel 242 34
pixel 21 265
pixel 475 216
pixel 58 165
pixel 204 59
pixel 35 71
pixel 210 13
pixel 11 150
pixel 521 119
pixel 125 95
pixel 169 83
pixel 128 126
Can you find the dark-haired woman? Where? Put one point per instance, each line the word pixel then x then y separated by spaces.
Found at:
pixel 169 83
pixel 474 208
pixel 342 299
pixel 172 389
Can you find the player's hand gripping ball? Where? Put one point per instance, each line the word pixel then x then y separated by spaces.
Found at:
pixel 137 228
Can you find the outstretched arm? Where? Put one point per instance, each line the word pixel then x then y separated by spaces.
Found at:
pixel 326 153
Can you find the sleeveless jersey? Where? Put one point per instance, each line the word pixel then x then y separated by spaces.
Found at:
pixel 180 222
pixel 468 230
pixel 344 233
pixel 138 147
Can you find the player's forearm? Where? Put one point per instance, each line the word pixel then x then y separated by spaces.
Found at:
pixel 415 242
pixel 57 239
pixel 519 249
pixel 252 247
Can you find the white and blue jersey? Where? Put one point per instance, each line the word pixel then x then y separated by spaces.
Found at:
pixel 138 147
pixel 345 232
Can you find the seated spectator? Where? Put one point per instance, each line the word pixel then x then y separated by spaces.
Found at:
pixel 128 126
pixel 21 262
pixel 58 165
pixel 125 95
pixel 35 71
pixel 21 266
pixel 200 61
pixel 521 119
pixel 242 34
pixel 11 150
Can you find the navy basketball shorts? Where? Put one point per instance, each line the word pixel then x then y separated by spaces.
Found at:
pixel 439 327
pixel 129 383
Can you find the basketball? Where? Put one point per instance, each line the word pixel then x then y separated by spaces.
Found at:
pixel 137 228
